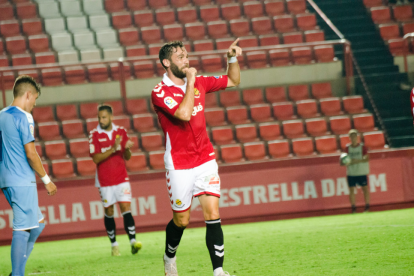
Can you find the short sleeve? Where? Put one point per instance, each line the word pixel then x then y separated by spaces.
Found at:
pixel 163 98
pixel 125 138
pixel 94 146
pixel 26 129
pixel 213 84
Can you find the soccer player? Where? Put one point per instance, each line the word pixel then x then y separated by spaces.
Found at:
pixel 358 169
pixel 109 147
pixel 191 168
pixel 18 163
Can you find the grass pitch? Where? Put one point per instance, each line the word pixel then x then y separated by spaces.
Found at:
pixel 379 243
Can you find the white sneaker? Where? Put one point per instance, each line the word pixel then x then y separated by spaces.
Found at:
pixel 170 268
pixel 115 251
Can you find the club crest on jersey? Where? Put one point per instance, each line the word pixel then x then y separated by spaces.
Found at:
pixel 170 102
pixel 197 109
pixel 196 93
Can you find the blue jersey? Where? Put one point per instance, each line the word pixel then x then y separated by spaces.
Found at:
pixel 16 130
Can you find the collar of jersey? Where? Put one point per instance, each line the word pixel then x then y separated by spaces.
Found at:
pixel 11 106
pixel 100 130
pixel 168 82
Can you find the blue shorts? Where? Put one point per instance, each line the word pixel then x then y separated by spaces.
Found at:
pixel 24 203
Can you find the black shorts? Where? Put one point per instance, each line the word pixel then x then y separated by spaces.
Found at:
pixel 361 180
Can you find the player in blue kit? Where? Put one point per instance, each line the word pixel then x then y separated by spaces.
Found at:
pixel 18 163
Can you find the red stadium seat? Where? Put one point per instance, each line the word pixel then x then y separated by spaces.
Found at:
pixel 73 129
pixel 9 78
pixel 381 14
pixel 195 31
pixel 340 124
pixel 49 131
pixel 32 26
pixel 144 122
pixel 321 90
pixel 4 61
pixel 257 59
pixel 56 150
pixel 283 110
pixel 248 41
pixel 364 122
pixel 212 63
pixel 353 104
pixel 114 70
pixel 137 106
pixel 98 73
pixel 187 15
pixel 262 25
pixel 284 23
pixel 237 115
pixel 89 110
pixel 408 28
pixel 9 28
pixel 211 100
pixel 397 46
pixel 26 10
pixel 22 60
pixel 137 163
pixel 63 168
pixel 293 38
pixel 86 166
pixel 117 107
pixel 374 140
pixel 16 45
pixel 403 12
pixel 389 31
pixel 230 98
pixel 255 151
pixel 224 43
pixel 79 147
pixel 156 160
pixel 307 108
pixel 344 141
pixel 269 40
pixel 296 6
pixel 324 53
pixel 39 150
pixel 232 153
pixel 156 4
pixel 302 55
pixel 298 92
pixel 231 11
pixel 253 9
pixel 209 13
pixel 279 149
pixel 165 16
pixel 135 140
pixel 280 57
pixel 246 133
pixel 6 12
pixel 222 135
pixel 121 20
pixel 217 29
pixel 326 145
pixel 261 113
pixel 293 129
pixel 38 43
pixel 144 69
pixel 91 124
pixel 306 21
pixel 373 3
pixel 75 74
pixel 317 127
pixel 303 147
pixel 32 73
pixel 143 18
pixel 152 141
pixel 2 50
pixel 136 51
pixel 270 131
pixel 203 45
pixel 314 36
pixel 215 116
pixel 151 34
pixel 252 96
pixel 154 49
pixel 123 121
pixel 136 5
pixel 114 5
pixel 240 27
pixel 45 57
pixel 331 106
pixel 274 7
pixel 43 114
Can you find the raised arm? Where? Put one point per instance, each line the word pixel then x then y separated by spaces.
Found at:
pixel 186 107
pixel 233 69
pixel 99 157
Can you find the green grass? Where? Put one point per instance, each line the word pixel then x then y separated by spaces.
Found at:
pixel 379 243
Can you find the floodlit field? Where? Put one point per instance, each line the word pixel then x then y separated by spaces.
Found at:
pixel 378 243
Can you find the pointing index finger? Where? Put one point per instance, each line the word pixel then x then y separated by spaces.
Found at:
pixel 235 42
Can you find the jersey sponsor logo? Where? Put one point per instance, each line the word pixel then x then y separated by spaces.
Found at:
pixel 107 148
pixel 32 130
pixel 196 93
pixel 91 149
pixel 170 102
pixel 102 140
pixel 178 95
pixel 126 191
pixel 212 179
pixel 197 109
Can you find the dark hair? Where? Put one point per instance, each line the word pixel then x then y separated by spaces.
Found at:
pixel 19 85
pixel 166 50
pixel 106 107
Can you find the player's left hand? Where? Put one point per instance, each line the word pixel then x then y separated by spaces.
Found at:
pixel 234 50
pixel 51 188
pixel 129 144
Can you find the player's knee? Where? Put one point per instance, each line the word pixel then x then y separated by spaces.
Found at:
pixel 182 222
pixel 109 211
pixel 212 215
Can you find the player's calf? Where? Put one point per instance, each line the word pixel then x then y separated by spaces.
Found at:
pixel 215 245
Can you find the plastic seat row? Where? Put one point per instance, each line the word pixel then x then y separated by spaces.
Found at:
pixel 13 27
pixel 400 13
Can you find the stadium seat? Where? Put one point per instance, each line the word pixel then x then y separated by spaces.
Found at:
pixel 79 147
pixel 98 73
pixel 402 12
pixel 45 57
pixel 255 151
pixel 373 3
pixel 151 34
pixel 293 129
pixel 39 150
pixel 407 27
pixel 321 90
pixel 137 106
pixel 144 18
pixel 92 7
pixel 9 28
pixel 203 45
pixel 117 107
pixel 317 127
pixel 353 104
pixel 331 106
pixel 187 15
pixel 32 26
pixel 38 43
pixel 91 124
pixel 246 133
pixel 156 4
pixel 152 141
pixel 224 43
pixel 314 36
pixel 114 70
pixel 154 49
pixel 195 31
pixel 26 10
pixel 261 112
pixel 389 31
pixel 165 16
pixel 275 94
pixel 222 135
pixel 230 98
pixel 279 149
pixel 326 145
pixel 248 41
pixel 16 45
pixel 66 112
pixel 381 14
pixel 22 60
pixel 302 55
pixel 324 53
pixel 230 11
pixel 283 111
pixel 211 100
pixel 71 8
pixel 43 114
pixel 253 9
pixel 298 92
pixel 75 74
pixel 306 21
pixel 262 25
pixel 112 6
pixel 252 96
pixel 240 27
pixel 270 131
pixel 73 129
pixel 136 51
pixel 144 122
pixel 6 12
pixel 56 150
pixel 32 73
pixel 136 5
pixel 397 46
pixel 52 77
pixel 121 20
pixel 269 40
pixel 344 141
pixel 63 168
pixel 274 7
pixel 86 166
pixel 364 122
pixel 307 108
pixel 279 57
pixel 257 59
pixel 135 140
pixel 215 116
pixel 156 160
pixel 284 23
pixel 49 131
pixel 374 140
pixel 232 153
pixel 217 29
pixel 296 6
pixel 340 124
pixel 9 78
pixel 137 163
pixel 209 13
pixel 293 38
pixel 303 147
pixel 212 63
pixel 123 121
pixel 89 110
pixel 237 115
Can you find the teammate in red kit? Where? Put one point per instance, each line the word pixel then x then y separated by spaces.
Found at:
pixel 189 158
pixel 109 147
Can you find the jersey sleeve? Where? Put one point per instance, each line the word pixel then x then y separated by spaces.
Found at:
pixel 26 129
pixel 94 146
pixel 163 98
pixel 213 84
pixel 125 139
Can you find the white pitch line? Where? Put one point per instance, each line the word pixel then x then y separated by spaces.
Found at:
pixel 37 273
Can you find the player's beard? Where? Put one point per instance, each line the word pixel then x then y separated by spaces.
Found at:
pixel 177 71
pixel 105 126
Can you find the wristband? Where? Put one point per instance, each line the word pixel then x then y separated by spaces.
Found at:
pixel 232 60
pixel 46 179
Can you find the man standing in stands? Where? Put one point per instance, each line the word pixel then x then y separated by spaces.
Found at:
pixel 358 169
pixel 189 158
pixel 109 148
pixel 18 163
